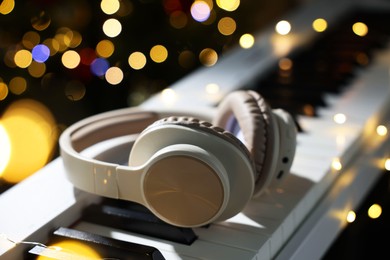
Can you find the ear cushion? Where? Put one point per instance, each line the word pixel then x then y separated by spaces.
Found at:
pixel 248 112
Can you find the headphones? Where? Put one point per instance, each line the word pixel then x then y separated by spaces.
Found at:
pixel 187 171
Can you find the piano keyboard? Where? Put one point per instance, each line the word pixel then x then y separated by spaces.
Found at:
pixel 335 166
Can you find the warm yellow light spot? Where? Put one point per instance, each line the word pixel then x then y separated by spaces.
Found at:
pixel 105 48
pixel 381 130
pixel 283 27
pixel 17 85
pixel 112 27
pixel 208 57
pixel 246 41
pixel 137 60
pixel 228 5
pixel 7 6
pixel 360 29
pixel 374 211
pixel 68 250
pixel 212 88
pixel 109 6
pixel 32 135
pixel 30 39
pixel 5 151
pixel 227 26
pixel 114 75
pixel 3 91
pixel 23 58
pixel 351 216
pixel 336 164
pixel 340 118
pixel 158 53
pixel 70 59
pixel 37 69
pixel 320 25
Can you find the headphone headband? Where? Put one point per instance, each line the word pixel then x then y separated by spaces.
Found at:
pixel 97 176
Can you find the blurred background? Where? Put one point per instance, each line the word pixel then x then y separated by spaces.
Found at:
pixel 61 61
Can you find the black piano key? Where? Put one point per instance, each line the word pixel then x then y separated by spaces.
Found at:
pixel 133 217
pixel 104 247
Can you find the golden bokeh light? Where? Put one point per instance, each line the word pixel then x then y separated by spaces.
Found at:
pixel 227 26
pixel 374 211
pixel 387 164
pixel 7 6
pixel 70 59
pixel 3 90
pixel 5 151
pixel 105 48
pixel 158 53
pixel 208 57
pixel 69 249
pixel 137 60
pixel 285 64
pixel 23 58
pixel 109 6
pixel 246 41
pixel 17 85
pixel 336 164
pixel 32 134
pixel 30 39
pixel 112 27
pixel 360 29
pixel 36 69
pixel 114 75
pixel 320 25
pixel 228 5
pixel 53 45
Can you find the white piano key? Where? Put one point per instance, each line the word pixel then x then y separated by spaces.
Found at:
pixel 199 248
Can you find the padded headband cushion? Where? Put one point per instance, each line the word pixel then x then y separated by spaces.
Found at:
pixel 205 126
pixel 254 118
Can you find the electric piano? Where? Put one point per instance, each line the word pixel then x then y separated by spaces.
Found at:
pixel 336 85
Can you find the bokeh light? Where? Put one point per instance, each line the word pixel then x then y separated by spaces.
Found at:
pixel 158 53
pixel 69 249
pixel 7 6
pixel 70 59
pixel 246 41
pixel 40 53
pixel 208 57
pixel 283 27
pixel 320 25
pixel 137 60
pixel 23 58
pixel 17 85
pixel 109 6
pixel 112 27
pixel 3 90
pixel 360 29
pixel 200 11
pixel 228 5
pixel 227 26
pixel 105 48
pixel 99 66
pixel 32 134
pixel 114 75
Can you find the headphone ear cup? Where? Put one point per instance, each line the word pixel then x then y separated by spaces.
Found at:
pixel 224 151
pixel 247 115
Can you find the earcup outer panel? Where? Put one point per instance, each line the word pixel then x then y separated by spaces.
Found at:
pixel 238 166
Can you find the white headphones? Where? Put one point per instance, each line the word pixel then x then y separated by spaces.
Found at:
pixel 188 172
